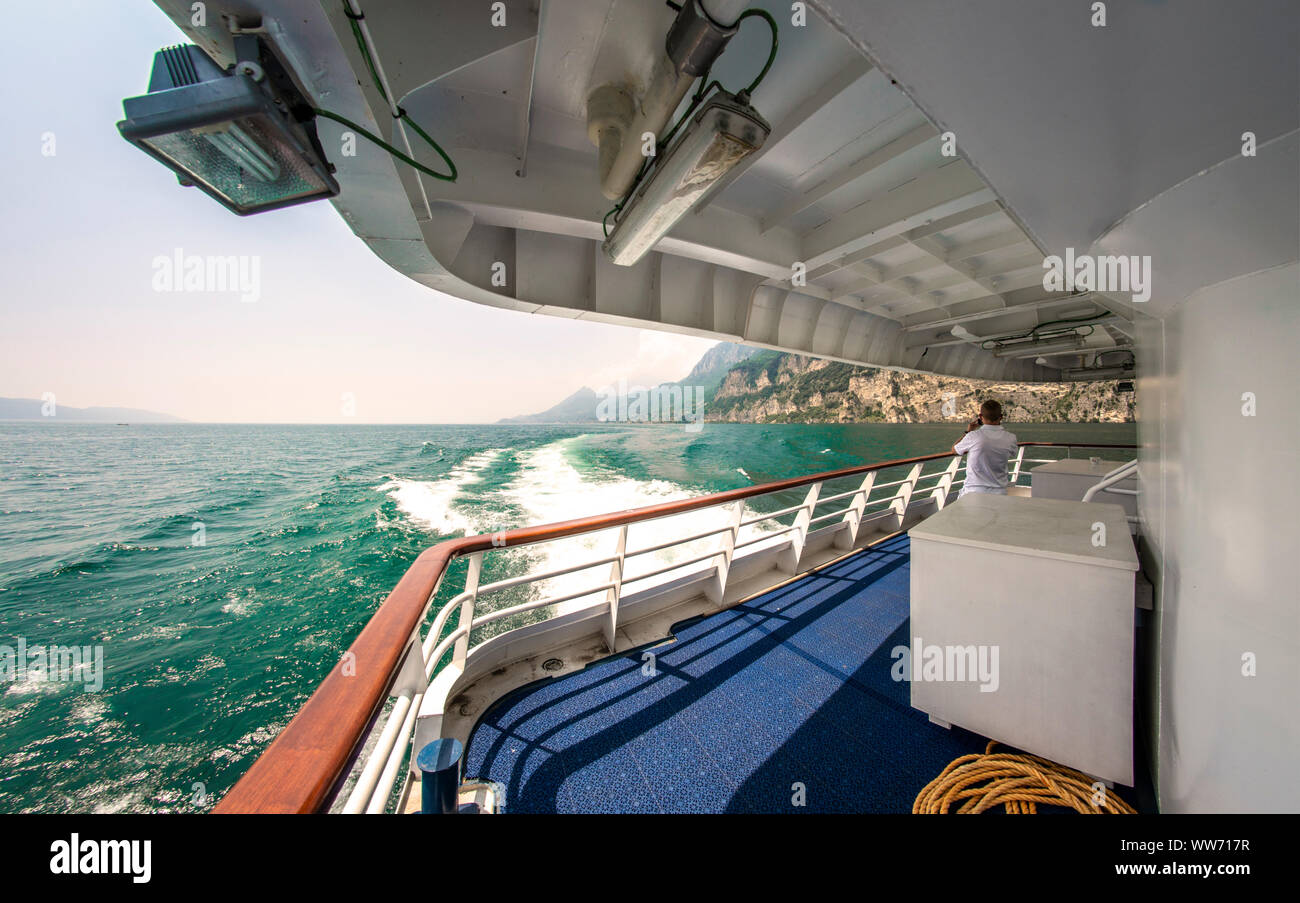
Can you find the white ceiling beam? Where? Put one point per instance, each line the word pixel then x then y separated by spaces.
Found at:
pixel 911 286
pixel 849 260
pixel 954 220
pixel 830 185
pixel 938 193
pixel 526 126
pixel 1009 239
pixel 989 281
pixel 948 222
pixel 934 258
pixel 875 301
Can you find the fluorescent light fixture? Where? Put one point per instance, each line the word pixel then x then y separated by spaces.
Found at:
pixel 1032 349
pixel 1087 373
pixel 245 136
pixel 1040 360
pixel 723 132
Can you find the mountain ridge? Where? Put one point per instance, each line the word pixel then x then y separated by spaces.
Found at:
pixel 27 409
pixel 581 407
pixel 749 385
pixel 787 388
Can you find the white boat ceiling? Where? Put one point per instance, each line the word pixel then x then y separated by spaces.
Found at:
pixel 901 243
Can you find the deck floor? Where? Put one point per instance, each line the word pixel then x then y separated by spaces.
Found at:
pixel 791 688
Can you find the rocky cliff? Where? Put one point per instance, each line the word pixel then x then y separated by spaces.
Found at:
pixel 785 388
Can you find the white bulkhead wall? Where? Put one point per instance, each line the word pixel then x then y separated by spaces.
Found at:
pixel 1219 424
pixel 1127 138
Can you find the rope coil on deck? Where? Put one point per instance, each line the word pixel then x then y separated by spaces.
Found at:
pixel 1016 781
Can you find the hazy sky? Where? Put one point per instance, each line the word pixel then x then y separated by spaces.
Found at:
pixel 79 315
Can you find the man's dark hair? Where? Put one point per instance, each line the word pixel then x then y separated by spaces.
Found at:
pixel 991 410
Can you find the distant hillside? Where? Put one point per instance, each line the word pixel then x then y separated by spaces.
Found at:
pixel 746 385
pixel 580 407
pixel 771 387
pixel 717 362
pixel 708 373
pixel 30 409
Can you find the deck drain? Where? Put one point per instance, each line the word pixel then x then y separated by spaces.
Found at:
pixel 552 664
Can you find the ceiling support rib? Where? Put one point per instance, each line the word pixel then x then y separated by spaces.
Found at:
pixel 987 282
pixel 938 193
pixel 897 241
pixel 527 125
pixel 823 189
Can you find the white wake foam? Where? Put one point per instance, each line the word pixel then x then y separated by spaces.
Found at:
pixel 432 503
pixel 549 489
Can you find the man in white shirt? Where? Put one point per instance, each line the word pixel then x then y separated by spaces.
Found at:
pixel 989 447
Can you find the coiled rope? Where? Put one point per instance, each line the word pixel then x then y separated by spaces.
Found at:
pixel 1016 781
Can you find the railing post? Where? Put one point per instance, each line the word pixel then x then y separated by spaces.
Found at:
pixel 904 496
pixel 410 678
pixel 461 649
pixel 853 515
pixel 615 592
pixel 439 763
pixel 718 588
pixel 800 534
pixel 940 494
pixel 1015 470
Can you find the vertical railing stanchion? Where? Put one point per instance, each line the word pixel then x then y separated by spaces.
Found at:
pixel 940 494
pixel 467 609
pixel 1015 470
pixel 717 588
pixel 800 533
pixel 853 515
pixel 615 592
pixel 904 496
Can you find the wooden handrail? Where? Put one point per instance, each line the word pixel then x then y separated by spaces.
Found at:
pixel 300 770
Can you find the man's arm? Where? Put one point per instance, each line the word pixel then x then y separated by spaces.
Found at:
pixel 962 446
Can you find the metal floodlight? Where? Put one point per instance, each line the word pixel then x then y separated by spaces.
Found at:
pixel 245 135
pixel 725 131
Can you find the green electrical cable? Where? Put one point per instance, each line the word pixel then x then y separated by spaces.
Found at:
pixel 401 113
pixel 755 11
pixel 414 164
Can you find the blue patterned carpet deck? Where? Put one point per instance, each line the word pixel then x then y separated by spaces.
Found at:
pixel 790 689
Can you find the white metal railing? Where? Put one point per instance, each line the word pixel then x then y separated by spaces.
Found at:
pixel 390 741
pixel 1107 484
pixel 389 744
